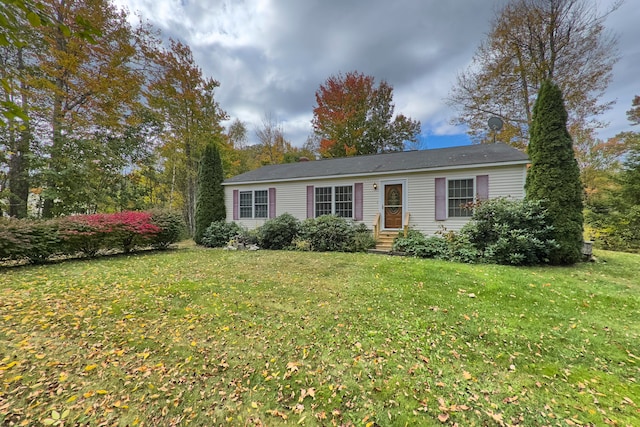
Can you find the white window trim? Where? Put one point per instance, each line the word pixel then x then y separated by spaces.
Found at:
pixel 473 179
pixel 333 199
pixel 253 204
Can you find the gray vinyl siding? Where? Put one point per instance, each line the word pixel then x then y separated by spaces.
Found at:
pixel 291 196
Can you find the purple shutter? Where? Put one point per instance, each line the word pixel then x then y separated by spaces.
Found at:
pixel 441 199
pixel 357 199
pixel 310 201
pixel 236 198
pixel 482 187
pixel 272 202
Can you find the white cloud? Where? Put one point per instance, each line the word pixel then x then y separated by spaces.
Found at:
pixel 270 56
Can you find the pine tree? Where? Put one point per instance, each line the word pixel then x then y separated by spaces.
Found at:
pixel 210 193
pixel 554 176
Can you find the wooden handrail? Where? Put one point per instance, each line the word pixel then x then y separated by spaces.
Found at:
pixel 405 225
pixel 376 225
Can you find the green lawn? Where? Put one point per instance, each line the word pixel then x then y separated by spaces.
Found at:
pixel 211 337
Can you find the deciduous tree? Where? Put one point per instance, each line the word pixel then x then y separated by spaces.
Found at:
pixel 16 137
pixel 273 145
pixel 531 41
pixel 184 100
pixel 85 84
pixel 554 176
pixel 237 134
pixel 599 162
pixel 353 116
pixel 61 60
pixel 634 113
pixel 613 210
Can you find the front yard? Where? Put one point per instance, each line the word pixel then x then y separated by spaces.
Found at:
pixel 211 337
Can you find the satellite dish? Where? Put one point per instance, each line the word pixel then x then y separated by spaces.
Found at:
pixel 495 123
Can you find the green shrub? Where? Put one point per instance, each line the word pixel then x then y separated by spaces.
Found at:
pixel 328 233
pixel 172 226
pixel 461 249
pixel 300 244
pixel 44 241
pixel 14 238
pixel 514 232
pixel 363 239
pixel 418 245
pixel 31 240
pixel 80 237
pixel 279 232
pixel 38 240
pixel 219 233
pixel 249 237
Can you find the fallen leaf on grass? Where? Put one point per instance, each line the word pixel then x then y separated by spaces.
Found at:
pixel 496 417
pixel 276 413
pixel 512 399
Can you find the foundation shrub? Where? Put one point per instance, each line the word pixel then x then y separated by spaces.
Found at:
pixel 328 233
pixel 220 233
pixel 418 245
pixel 279 232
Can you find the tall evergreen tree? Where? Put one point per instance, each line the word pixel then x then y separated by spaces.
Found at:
pixel 554 176
pixel 210 193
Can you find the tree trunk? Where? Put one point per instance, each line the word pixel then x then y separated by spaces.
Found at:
pixel 19 177
pixel 57 119
pixel 18 174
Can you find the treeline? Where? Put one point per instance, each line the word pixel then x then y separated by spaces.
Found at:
pixel 612 189
pixel 99 115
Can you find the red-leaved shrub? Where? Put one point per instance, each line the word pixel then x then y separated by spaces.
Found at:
pixel 122 230
pixel 87 235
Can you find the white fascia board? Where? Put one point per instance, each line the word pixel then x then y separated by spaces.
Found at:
pixel 396 172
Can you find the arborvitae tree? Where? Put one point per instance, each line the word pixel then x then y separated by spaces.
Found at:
pixel 210 193
pixel 554 176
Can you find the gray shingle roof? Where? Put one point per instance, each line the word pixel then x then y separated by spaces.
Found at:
pixel 441 158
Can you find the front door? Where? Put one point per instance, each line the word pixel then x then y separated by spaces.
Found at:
pixel 393 206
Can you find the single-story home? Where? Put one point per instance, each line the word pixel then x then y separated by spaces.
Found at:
pixel 425 189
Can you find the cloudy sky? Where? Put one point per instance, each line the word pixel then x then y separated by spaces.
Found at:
pixel 270 56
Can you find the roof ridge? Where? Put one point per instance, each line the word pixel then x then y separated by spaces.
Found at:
pixel 397 161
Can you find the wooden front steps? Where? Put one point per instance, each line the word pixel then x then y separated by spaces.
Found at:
pixel 384 241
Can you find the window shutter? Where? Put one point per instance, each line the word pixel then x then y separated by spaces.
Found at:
pixel 441 199
pixel 272 202
pixel 357 200
pixel 310 201
pixel 482 187
pixel 236 198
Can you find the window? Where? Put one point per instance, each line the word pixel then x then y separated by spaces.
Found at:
pixel 344 201
pixel 461 195
pixel 246 204
pixel 323 201
pixel 254 204
pixel 261 204
pixel 334 200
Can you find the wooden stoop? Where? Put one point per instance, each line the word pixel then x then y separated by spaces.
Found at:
pixel 385 241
